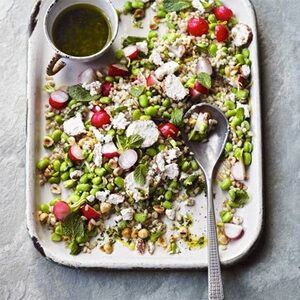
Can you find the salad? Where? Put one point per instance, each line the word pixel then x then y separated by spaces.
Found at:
pixel 113 139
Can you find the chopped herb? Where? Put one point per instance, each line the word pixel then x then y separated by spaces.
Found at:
pixel 140 174
pixel 79 93
pixel 177 117
pixel 130 142
pixel 176 5
pixel 205 79
pixel 155 236
pixel 136 91
pixel 130 40
pixel 73 226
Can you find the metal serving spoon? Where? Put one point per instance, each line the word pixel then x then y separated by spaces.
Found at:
pixel 207 155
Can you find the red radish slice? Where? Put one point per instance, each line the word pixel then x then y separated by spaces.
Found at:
pixel 95 108
pixel 75 153
pixel 222 33
pixel 110 150
pixel 200 88
pixel 127 159
pixel 151 80
pixel 61 210
pixel 197 26
pixel 223 13
pixel 203 65
pixel 100 118
pixel 168 130
pixel 238 171
pixel 241 81
pixel 106 88
pixel 131 52
pixel 194 93
pixel 117 70
pixel 89 212
pixel 87 76
pixel 233 231
pixel 58 99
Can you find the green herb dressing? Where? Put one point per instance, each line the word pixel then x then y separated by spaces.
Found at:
pixel 81 30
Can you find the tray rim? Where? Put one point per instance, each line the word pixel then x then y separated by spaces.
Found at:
pixel 31 224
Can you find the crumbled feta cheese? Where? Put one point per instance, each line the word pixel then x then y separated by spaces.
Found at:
pixel 102 195
pixel 156 58
pixel 174 88
pixel 242 34
pixel 76 174
pixel 74 126
pixel 94 88
pixel 90 198
pixel 146 129
pixel 127 214
pixel 170 155
pixel 107 139
pixel 237 220
pixel 178 51
pixel 120 121
pixel 142 47
pixel 115 199
pixel 198 5
pixel 97 158
pixel 245 71
pixel 98 135
pixel 171 214
pixel 166 69
pixel 136 191
pixel 160 161
pixel 172 171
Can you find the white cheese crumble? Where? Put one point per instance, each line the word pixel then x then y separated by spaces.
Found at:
pixel 127 214
pixel 142 47
pixel 90 198
pixel 136 191
pixel 172 170
pixel 120 121
pixel 115 198
pixel 156 58
pixel 171 214
pixel 198 5
pixel 76 174
pixel 97 155
pixel 94 88
pixel 102 195
pixel 166 69
pixel 170 155
pixel 245 71
pixel 98 135
pixel 174 88
pixel 147 129
pixel 242 34
pixel 74 126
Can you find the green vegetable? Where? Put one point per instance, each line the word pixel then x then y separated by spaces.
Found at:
pixel 136 114
pixel 55 237
pixel 132 40
pixel 136 91
pixel 140 217
pixel 74 248
pixel 176 5
pixel 130 142
pixel 205 79
pixel 226 216
pixel 140 174
pixel 143 100
pixel 73 226
pixel 45 208
pixel 155 236
pixel 177 116
pixel 167 204
pixel 151 111
pixel 43 164
pixel 119 182
pixel 226 183
pixel 81 94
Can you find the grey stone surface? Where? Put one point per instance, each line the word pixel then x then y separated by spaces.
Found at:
pixel 271 272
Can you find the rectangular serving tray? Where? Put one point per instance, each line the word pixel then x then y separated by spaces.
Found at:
pixel 39 54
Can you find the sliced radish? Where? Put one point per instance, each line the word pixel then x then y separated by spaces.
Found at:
pixel 203 66
pixel 238 171
pixel 87 76
pixel 131 52
pixel 61 210
pixel 242 35
pixel 58 99
pixel 194 93
pixel 95 108
pixel 89 212
pixel 151 80
pixel 75 153
pixel 127 159
pixel 200 88
pixel 110 150
pixel 106 88
pixel 241 81
pixel 117 70
pixel 233 231
pixel 100 118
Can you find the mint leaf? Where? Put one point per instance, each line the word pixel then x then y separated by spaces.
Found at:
pixel 136 91
pixel 176 5
pixel 134 141
pixel 73 226
pixel 205 79
pixel 80 94
pixel 121 142
pixel 176 116
pixel 140 174
pixel 132 40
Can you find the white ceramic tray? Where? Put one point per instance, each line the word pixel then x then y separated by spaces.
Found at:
pixel 39 54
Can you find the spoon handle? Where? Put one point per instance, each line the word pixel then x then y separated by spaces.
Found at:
pixel 215 285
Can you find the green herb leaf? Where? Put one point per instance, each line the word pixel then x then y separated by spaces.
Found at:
pixel 134 141
pixel 80 94
pixel 121 142
pixel 140 174
pixel 205 79
pixel 176 5
pixel 73 226
pixel 155 236
pixel 130 40
pixel 136 91
pixel 177 117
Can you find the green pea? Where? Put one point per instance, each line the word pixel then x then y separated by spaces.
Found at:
pixel 140 217
pixel 56 165
pixel 229 104
pixel 68 184
pixel 128 6
pixel 54 180
pixel 58 119
pixel 224 50
pixel 239 133
pixel 96 206
pixel 136 114
pixel 143 100
pixel 173 185
pixel 53 201
pixel 248 147
pixel 135 71
pixel 228 147
pixel 58 229
pixel 242 94
pixel 236 121
pixel 168 195
pixel 43 164
pixel 109 78
pixel 64 167
pixel 152 34
pixel 100 171
pixel 212 49
pixel 45 208
pixel 232 194
pixel 151 111
pixel 212 18
pixel 226 216
pixel 72 103
pixel 233 204
pixel 110 187
pixel 226 184
pixel 119 182
pixel 82 239
pixel 97 180
pixel 212 26
pixel 151 152
pixel 137 4
pixel 94 191
pixel 230 113
pixel 90 157
pixel 84 178
pixel 247 158
pixel 83 187
pixel 166 115
pixel 240 58
pixel 105 100
pixel 65 176
pixel 122 224
pixel 189 181
pixel 74 198
pixel 64 137
pixel 119 54
pixel 145 118
pixel 185 166
pixel 56 135
pixel 108 168
pixel 194 165
pixel 246 52
pixel 167 204
pixel 238 153
pixel 161 147
pixel 246 124
pixel 161 14
pixel 55 237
